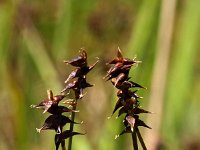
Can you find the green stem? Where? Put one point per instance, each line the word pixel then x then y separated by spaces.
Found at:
pixel 72 127
pixel 134 139
pixel 141 139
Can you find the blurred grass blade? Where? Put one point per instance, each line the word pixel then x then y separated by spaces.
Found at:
pixel 179 83
pixel 44 64
pixel 160 70
pixel 14 124
pixel 143 27
pixel 5 29
pixel 143 33
pixel 62 28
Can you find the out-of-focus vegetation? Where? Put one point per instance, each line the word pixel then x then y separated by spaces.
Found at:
pixel 36 36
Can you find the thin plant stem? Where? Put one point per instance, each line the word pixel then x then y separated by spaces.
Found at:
pixel 72 127
pixel 63 145
pixel 141 139
pixel 134 139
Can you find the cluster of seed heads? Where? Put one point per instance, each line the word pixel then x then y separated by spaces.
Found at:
pixel 128 100
pixel 118 74
pixel 76 81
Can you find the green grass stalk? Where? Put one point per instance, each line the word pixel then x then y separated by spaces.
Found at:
pixel 72 127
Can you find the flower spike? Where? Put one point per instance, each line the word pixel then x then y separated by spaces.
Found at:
pixel 76 81
pixel 128 102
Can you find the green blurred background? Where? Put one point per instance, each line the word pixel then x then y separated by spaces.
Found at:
pixel 36 36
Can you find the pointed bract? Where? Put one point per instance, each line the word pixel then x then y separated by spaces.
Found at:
pixel 80 72
pixel 58 110
pixel 121 59
pixel 79 61
pixel 64 135
pixel 77 85
pixel 126 130
pixel 116 70
pixel 122 111
pixel 117 106
pixel 55 122
pixel 137 110
pixel 51 101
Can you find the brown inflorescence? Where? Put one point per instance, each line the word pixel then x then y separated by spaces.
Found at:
pixel 56 121
pixel 128 100
pixel 76 81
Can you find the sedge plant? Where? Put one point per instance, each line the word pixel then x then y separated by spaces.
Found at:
pixel 76 82
pixel 128 100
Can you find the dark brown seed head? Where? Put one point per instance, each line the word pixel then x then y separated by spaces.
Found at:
pixel 55 122
pixel 116 70
pixel 120 82
pixel 58 110
pixel 77 85
pixel 48 103
pixel 79 61
pixel 80 72
pixel 71 85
